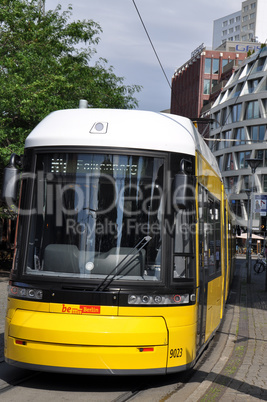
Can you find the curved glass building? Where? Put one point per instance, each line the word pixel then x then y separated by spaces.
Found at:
pixel 239 133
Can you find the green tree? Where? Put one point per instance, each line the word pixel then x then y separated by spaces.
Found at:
pixel 45 66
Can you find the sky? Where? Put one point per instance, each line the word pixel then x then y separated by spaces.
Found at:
pixel 175 27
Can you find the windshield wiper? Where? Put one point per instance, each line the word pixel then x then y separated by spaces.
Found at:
pixel 135 250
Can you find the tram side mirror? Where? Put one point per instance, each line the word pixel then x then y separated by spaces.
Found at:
pixel 11 180
pixel 183 186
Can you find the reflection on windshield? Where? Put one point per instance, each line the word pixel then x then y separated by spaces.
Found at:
pixel 89 212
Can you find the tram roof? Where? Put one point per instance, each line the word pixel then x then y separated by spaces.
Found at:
pixel 132 129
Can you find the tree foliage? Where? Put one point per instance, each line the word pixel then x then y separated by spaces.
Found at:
pixel 45 65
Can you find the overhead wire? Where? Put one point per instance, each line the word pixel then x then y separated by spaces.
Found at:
pixel 151 43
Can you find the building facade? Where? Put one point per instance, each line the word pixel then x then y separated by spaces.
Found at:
pixel 240 133
pixel 198 78
pixel 247 24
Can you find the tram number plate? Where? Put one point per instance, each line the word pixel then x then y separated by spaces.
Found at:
pixel 176 353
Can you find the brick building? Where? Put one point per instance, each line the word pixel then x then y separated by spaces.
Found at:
pixel 194 83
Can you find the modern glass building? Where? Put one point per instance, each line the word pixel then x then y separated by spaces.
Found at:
pixel 239 133
pixel 247 24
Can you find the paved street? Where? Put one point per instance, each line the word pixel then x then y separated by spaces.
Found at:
pixel 250 381
pixel 243 376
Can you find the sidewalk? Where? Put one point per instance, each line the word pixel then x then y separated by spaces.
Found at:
pixel 250 381
pixel 244 375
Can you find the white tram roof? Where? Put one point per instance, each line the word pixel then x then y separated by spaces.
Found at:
pixel 132 129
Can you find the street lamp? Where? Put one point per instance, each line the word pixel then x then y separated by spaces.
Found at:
pixel 248 191
pixel 253 163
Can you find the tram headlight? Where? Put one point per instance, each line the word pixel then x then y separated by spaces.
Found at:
pixel 145 299
pixel 132 299
pixel 160 300
pixel 25 293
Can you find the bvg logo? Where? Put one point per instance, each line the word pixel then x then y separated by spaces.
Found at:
pixel 81 309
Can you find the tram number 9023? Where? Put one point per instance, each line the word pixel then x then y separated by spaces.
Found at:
pixel 176 353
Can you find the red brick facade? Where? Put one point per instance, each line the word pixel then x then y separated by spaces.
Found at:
pixel 195 82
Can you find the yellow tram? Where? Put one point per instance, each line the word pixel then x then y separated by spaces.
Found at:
pixel 123 253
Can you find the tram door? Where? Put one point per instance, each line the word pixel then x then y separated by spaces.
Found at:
pixel 203 264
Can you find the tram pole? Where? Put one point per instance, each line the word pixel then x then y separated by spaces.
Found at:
pixel 249 230
pixel 253 163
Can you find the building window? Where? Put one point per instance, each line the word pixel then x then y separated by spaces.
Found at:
pixel 245 181
pixel 259 155
pixel 242 159
pixel 216 118
pixel 224 33
pixel 252 26
pixel 207 66
pixel 215 66
pixel 232 20
pixel 231 30
pixel 227 136
pixel 225 62
pixel 257 133
pixel 245 28
pixel 252 111
pixel 231 183
pixel 225 23
pixel 237 28
pixel 213 144
pixel 252 16
pixel 252 85
pixel 240 136
pixel 229 163
pixel 224 116
pixel 244 38
pixel 237 18
pixel 220 162
pixel 206 87
pixel 245 18
pixel 236 112
pixel 260 64
pixel 245 9
pixel 237 37
pixel 264 182
pixel 237 90
pixel 253 5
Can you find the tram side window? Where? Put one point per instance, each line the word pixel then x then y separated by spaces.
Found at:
pixel 201 214
pixel 217 236
pixel 214 237
pixel 184 245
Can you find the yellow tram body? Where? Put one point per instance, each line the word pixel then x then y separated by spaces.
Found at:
pixel 109 341
pixel 96 338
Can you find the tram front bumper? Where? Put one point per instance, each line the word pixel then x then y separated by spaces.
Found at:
pixel 93 344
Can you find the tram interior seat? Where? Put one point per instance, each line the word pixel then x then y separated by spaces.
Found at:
pixel 61 258
pixel 65 258
pixel 104 263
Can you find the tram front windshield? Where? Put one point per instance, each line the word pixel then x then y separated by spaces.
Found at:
pixel 96 214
